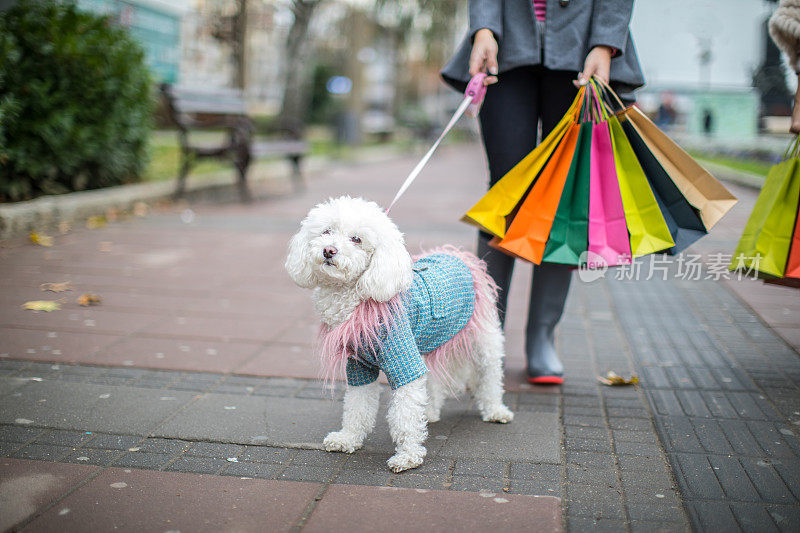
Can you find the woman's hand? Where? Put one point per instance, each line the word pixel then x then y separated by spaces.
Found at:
pixel 598 63
pixel 484 56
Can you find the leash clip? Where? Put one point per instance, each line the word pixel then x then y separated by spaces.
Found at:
pixel 477 90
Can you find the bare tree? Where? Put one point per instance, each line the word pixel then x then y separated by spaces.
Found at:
pixel 433 20
pixel 295 93
pixel 228 21
pixel 239 43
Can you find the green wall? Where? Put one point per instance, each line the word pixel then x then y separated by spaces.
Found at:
pixel 735 113
pixel 157 30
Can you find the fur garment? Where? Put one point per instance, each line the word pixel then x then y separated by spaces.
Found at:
pixel 784 28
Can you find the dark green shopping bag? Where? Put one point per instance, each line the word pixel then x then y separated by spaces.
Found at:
pixel 569 236
pixel 767 237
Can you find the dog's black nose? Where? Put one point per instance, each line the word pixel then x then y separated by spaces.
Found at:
pixel 329 251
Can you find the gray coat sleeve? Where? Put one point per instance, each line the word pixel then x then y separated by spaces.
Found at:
pixel 486 14
pixel 610 21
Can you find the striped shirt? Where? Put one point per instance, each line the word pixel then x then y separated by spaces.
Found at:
pixel 540 8
pixel 438 305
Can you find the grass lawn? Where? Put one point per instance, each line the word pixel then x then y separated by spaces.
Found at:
pixel 753 166
pixel 165 158
pixel 164 161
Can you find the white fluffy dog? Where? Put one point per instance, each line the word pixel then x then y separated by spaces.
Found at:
pixel 381 310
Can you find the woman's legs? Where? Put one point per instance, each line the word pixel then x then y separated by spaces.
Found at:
pixel 509 125
pixel 550 284
pixel 509 122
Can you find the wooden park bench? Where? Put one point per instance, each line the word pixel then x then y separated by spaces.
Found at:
pixel 192 109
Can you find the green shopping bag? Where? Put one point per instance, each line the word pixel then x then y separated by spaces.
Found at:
pixel 767 236
pixel 569 236
pixel 647 228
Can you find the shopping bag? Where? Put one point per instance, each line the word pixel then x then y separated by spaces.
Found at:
pixel 793 263
pixel 527 233
pixel 608 231
pixel 767 198
pixel 682 219
pixel 774 238
pixel 647 228
pixel 491 211
pixel 766 239
pixel 700 188
pixel 569 235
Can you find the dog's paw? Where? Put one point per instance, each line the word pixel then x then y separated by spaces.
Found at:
pixel 339 441
pixel 404 461
pixel 500 414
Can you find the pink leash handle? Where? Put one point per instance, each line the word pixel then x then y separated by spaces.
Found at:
pixel 477 90
pixel 472 102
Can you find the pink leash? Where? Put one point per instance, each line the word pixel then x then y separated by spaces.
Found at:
pixel 473 99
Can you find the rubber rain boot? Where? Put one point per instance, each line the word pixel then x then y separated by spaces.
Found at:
pixel 549 291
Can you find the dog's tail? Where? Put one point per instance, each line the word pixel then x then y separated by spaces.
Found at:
pixel 484 316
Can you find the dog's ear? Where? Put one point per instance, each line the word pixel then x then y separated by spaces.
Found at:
pixel 298 260
pixel 389 271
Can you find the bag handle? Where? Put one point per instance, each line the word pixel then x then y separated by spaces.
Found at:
pixel 586 105
pixel 611 96
pixel 600 106
pixel 793 149
pixel 576 108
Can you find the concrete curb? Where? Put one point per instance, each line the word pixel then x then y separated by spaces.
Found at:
pixel 45 213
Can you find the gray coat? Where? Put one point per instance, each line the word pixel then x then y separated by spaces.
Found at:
pixel 572 28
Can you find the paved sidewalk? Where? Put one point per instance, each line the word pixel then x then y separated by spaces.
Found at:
pixel 195 376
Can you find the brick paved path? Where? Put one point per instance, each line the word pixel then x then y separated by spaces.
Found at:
pixel 195 376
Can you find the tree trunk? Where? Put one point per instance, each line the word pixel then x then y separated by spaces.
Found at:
pixel 295 94
pixel 239 44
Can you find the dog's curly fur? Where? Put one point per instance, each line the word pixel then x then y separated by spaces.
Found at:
pixel 372 266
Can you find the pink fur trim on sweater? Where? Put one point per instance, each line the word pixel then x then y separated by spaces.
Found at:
pixel 365 325
pixel 362 329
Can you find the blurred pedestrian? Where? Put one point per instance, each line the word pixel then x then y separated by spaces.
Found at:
pixel 537 52
pixel 784 27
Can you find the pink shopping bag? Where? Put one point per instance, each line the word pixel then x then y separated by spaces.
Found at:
pixel 608 230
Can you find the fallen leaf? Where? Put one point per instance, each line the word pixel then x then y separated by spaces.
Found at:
pixel 41 239
pixel 56 287
pixel 97 221
pixel 104 246
pixel 613 380
pixel 64 227
pixel 43 305
pixel 112 214
pixel 140 209
pixel 88 299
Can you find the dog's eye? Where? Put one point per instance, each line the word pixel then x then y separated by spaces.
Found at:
pixel 326 232
pixel 355 239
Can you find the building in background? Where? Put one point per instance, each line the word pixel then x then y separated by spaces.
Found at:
pixel 208 57
pixel 156 24
pixel 703 54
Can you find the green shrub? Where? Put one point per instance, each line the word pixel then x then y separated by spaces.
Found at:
pixel 75 101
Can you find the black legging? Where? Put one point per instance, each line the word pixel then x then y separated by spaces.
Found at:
pixel 510 118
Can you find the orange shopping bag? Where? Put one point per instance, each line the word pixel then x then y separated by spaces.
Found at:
pixel 528 232
pixel 497 207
